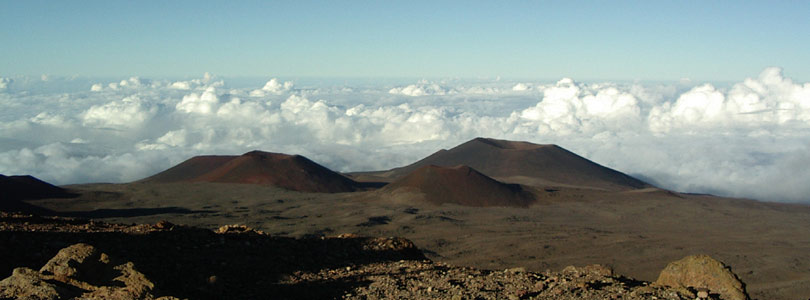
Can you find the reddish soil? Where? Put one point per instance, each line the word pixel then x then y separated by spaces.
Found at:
pixel 293 172
pixel 191 169
pixel 522 162
pixel 460 185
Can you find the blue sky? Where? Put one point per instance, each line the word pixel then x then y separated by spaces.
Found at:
pixel 586 40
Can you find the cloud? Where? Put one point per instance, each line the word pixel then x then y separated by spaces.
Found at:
pixel 58 160
pixel 204 104
pixel 134 82
pixel 569 107
pixel 130 112
pixel 749 139
pixel 181 85
pixel 422 88
pixel 764 102
pixel 274 86
pixel 46 118
pixel 5 83
pixel 520 87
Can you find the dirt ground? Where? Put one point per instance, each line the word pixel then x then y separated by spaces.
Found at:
pixel 636 232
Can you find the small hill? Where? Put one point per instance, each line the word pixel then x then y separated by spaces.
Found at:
pixel 522 162
pixel 191 169
pixel 28 187
pixel 14 189
pixel 293 172
pixel 459 185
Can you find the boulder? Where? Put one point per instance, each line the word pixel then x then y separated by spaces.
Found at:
pixel 703 272
pixel 79 260
pixel 25 283
pixel 81 271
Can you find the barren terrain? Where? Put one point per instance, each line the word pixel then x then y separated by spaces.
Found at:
pixel 635 232
pixel 488 204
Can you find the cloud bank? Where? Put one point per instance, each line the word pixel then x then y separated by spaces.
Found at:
pixel 749 139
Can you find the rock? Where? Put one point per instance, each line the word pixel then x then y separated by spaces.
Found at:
pixel 598 270
pixel 163 224
pixel 571 271
pixel 25 283
pixel 539 286
pixel 702 271
pixel 80 271
pixel 236 228
pixel 134 282
pixel 347 236
pixel 73 261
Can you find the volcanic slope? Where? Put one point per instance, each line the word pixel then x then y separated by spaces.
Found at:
pixel 292 172
pixel 459 185
pixel 14 189
pixel 520 162
pixel 28 187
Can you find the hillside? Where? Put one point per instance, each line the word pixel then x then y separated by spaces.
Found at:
pixel 292 172
pixel 459 185
pixel 15 189
pixel 521 162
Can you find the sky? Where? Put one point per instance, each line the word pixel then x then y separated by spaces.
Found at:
pixel 693 96
pixel 588 40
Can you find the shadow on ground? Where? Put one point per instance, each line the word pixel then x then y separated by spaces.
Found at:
pixel 201 264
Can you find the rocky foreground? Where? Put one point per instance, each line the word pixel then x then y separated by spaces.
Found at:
pixel 61 258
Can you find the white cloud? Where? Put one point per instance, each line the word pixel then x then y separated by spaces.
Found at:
pixel 569 107
pixel 422 88
pixel 130 112
pixel 274 87
pixel 520 87
pixel 181 85
pixel 204 104
pixel 767 101
pixel 5 83
pixel 46 118
pixel 134 82
pixel 747 140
